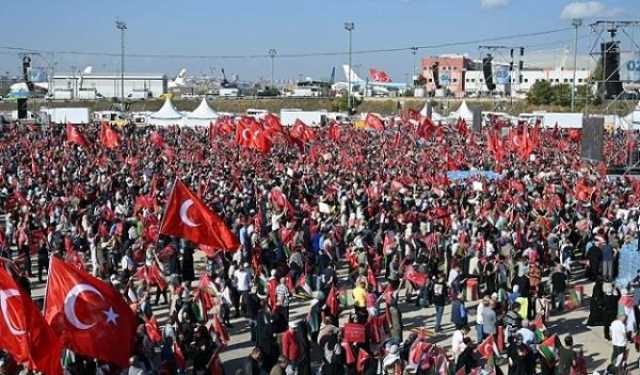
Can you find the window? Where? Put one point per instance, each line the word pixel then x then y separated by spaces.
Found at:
pixel 566 80
pixel 526 80
pixel 481 80
pixel 430 79
pixel 558 80
pixel 580 80
pixel 455 80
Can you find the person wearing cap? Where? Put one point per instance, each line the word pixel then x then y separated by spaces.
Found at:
pixel 290 348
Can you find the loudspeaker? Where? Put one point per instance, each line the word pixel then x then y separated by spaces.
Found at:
pixel 477 120
pixel 435 71
pixel 592 138
pixel 429 110
pixel 487 71
pixel 611 68
pixel 22 108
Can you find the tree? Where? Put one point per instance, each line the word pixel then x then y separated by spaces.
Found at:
pixel 541 93
pixel 340 103
pixel 561 94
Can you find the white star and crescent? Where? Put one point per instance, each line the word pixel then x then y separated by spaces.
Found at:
pixel 184 213
pixel 4 296
pixel 70 307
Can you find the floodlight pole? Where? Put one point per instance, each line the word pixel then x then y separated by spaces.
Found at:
pixel 349 26
pixel 576 22
pixel 120 25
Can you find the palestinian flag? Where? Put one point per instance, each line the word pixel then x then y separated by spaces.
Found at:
pixel 539 329
pixel 548 349
pixel 304 284
pixel 571 302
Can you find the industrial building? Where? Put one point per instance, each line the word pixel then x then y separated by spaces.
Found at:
pixel 136 86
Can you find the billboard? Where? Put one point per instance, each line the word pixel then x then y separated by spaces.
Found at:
pixel 502 75
pixel 630 68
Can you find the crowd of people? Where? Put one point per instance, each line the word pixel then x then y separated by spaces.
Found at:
pixel 358 225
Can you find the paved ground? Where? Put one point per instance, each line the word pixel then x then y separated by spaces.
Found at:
pixel 591 339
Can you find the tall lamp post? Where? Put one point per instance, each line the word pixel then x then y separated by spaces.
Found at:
pixel 349 26
pixel 272 53
pixel 576 22
pixel 414 50
pixel 120 25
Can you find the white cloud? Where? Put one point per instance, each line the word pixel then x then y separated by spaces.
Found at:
pixel 494 3
pixel 583 9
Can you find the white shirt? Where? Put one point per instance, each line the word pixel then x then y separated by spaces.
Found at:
pixel 479 319
pixel 457 343
pixel 243 280
pixel 618 333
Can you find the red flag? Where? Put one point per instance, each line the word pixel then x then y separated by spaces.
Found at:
pixel 74 136
pixel 371 279
pixel 277 197
pixel 379 75
pixel 90 316
pixel 301 132
pixel 374 122
pixel 486 347
pixel 188 217
pixel 220 331
pixel 272 123
pixel 363 357
pixel 244 136
pixel 24 333
pixel 332 301
pixel 157 139
pixel 151 327
pixel 425 129
pixel 108 137
pixel 334 132
pixel 261 141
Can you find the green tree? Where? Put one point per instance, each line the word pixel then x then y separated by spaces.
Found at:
pixel 541 93
pixel 561 94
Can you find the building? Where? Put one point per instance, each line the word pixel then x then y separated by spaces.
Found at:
pixel 460 76
pixel 451 70
pixel 108 85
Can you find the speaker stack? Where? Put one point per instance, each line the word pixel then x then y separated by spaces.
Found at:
pixel 487 71
pixel 22 108
pixel 611 67
pixel 435 71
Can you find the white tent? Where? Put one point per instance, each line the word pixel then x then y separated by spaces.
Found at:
pixel 167 115
pixel 201 116
pixel 632 120
pixel 463 112
pixel 435 116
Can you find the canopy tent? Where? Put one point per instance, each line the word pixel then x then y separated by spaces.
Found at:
pixel 167 115
pixel 632 120
pixel 201 116
pixel 463 112
pixel 435 116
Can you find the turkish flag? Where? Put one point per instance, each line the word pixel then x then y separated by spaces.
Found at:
pixel 486 347
pixel 260 139
pixel 74 136
pixel 23 332
pixel 272 123
pixel 334 132
pixel 363 357
pixel 301 132
pixel 157 139
pixel 109 137
pixel 374 122
pixel 188 217
pixel 244 136
pixel 90 316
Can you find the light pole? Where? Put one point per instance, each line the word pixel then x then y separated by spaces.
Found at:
pixel 576 22
pixel 349 26
pixel 272 53
pixel 120 25
pixel 414 50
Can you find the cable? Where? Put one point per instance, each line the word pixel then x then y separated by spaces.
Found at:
pixel 289 55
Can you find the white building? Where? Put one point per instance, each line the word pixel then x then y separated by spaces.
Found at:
pixel 474 84
pixel 108 85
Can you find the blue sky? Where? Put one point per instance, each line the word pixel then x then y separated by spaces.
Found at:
pixel 242 27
